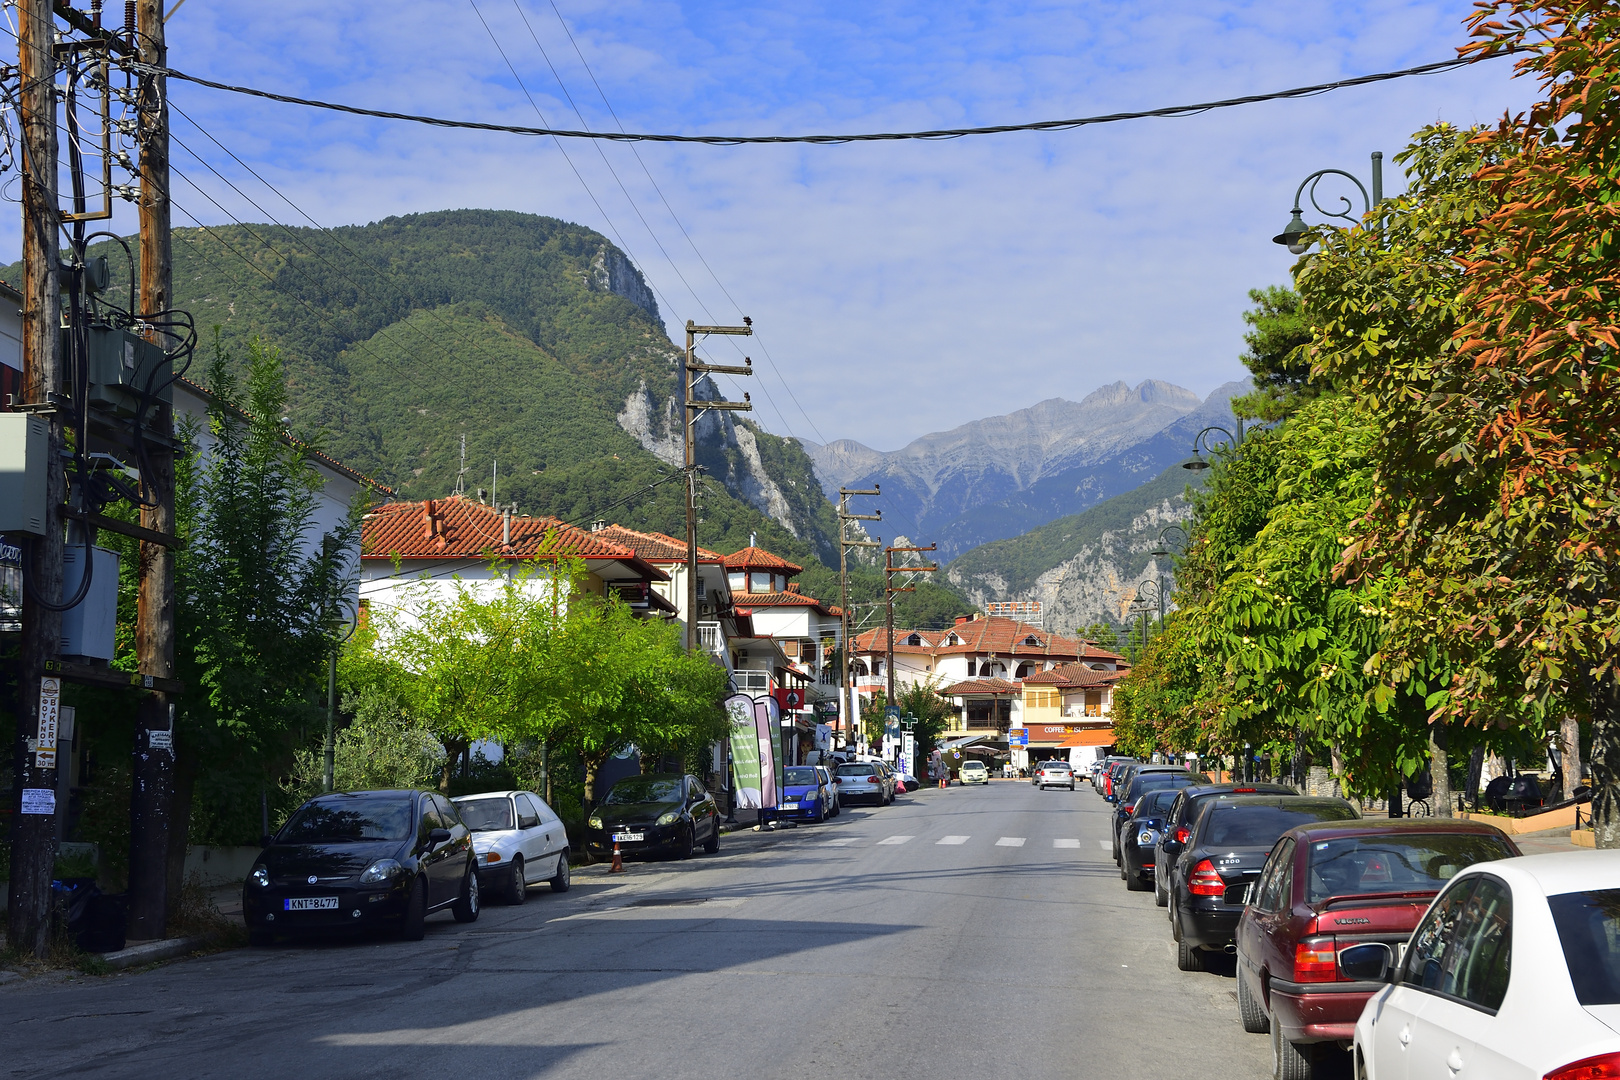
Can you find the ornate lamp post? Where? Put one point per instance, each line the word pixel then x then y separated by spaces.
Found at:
pixel 1201 440
pixel 1293 235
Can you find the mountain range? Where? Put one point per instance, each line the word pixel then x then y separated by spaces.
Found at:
pixel 1003 476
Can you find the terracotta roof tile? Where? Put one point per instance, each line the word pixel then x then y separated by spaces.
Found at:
pixel 458 528
pixel 1075 675
pixel 991 634
pixel 980 686
pixel 783 599
pixel 655 546
pixel 754 558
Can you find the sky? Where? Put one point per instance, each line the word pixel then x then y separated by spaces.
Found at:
pixel 897 288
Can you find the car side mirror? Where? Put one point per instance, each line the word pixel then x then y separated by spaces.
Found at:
pixel 437 837
pixel 1367 963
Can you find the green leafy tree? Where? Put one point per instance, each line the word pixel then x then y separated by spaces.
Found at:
pixel 381 748
pixel 1101 634
pixel 1277 355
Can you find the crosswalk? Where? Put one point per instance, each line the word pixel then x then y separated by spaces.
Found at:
pixel 954 840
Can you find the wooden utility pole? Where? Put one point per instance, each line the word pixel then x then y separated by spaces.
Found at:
pixel 846 692
pixel 889 570
pixel 33 830
pixel 693 410
pixel 152 794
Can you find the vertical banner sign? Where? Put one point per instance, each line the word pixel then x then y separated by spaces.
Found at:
pixel 908 753
pixel 50 701
pixel 768 728
pixel 744 751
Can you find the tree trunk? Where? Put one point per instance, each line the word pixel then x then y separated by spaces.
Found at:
pixel 593 765
pixel 1569 737
pixel 1439 771
pixel 454 751
pixel 1605 763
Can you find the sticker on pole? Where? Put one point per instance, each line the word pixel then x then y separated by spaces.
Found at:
pixel 50 703
pixel 161 739
pixel 39 800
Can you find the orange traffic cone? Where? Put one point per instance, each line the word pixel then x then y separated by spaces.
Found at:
pixel 618 862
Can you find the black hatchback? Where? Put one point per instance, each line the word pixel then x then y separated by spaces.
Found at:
pixel 360 860
pixel 661 812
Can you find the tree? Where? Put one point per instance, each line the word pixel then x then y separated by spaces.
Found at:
pixel 1101 634
pixel 1276 355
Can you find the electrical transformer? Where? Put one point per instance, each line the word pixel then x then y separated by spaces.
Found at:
pixel 122 366
pixel 22 473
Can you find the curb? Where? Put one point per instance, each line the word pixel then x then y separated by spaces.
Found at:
pixel 152 951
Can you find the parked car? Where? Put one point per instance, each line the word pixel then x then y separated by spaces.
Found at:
pixel 1329 886
pixel 891 777
pixel 859 781
pixel 517 841
pixel 1141 835
pixel 1054 773
pixel 660 812
pixel 974 772
pixel 1099 775
pixel 1142 779
pixel 1228 847
pixel 828 781
pixel 1111 777
pixel 1183 815
pixel 1514 971
pixel 804 796
pixel 362 859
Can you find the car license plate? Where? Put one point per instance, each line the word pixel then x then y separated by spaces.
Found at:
pixel 310 903
pixel 790 806
pixel 626 837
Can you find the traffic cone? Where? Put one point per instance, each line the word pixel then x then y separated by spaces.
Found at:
pixel 618 862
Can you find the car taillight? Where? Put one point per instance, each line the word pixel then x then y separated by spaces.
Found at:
pixel 1127 808
pixel 1602 1067
pixel 1183 834
pixel 1316 960
pixel 1205 880
pixel 1243 791
pixel 871 780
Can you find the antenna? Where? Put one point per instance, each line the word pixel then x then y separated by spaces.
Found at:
pixel 495 471
pixel 461 487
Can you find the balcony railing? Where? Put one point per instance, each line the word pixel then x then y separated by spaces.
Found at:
pixel 709 639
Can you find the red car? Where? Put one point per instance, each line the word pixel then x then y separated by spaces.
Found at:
pixel 1326 887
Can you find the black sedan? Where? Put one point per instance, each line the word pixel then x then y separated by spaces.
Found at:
pixel 1140 835
pixel 1179 823
pixel 1226 852
pixel 1138 781
pixel 660 813
pixel 362 859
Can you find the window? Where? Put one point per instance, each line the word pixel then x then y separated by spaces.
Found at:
pixel 758 582
pixel 1431 959
pixel 737 582
pixel 914 639
pixel 1023 670
pixel 1589 930
pixel 528 816
pixel 447 812
pixel 703 589
pixel 1033 640
pixel 1485 962
pixel 1276 882
pixel 1394 862
pixel 486 815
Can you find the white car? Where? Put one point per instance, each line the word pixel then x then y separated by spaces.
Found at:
pixel 517 840
pixel 974 772
pixel 1513 974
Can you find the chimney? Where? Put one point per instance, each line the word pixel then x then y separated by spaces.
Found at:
pixel 598 525
pixel 753 539
pixel 506 528
pixel 960 619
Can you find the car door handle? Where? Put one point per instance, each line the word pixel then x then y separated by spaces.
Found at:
pixel 1406 1035
pixel 1454 1062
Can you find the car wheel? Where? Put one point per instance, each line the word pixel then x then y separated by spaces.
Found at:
pixel 561 880
pixel 465 909
pixel 1255 1020
pixel 518 891
pixel 1287 1063
pixel 1189 958
pixel 1133 881
pixel 261 939
pixel 1160 895
pixel 821 811
pixel 712 844
pixel 688 842
pixel 414 926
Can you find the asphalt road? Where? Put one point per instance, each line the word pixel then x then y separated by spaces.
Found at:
pixel 980 932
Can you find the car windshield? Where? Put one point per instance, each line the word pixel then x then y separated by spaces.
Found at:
pixel 1589 930
pixel 486 815
pixel 801 775
pixel 1396 863
pixel 1153 781
pixel 1259 826
pixel 973 766
pixel 645 789
pixel 855 770
pixel 349 819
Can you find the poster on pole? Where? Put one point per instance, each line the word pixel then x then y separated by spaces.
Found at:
pixel 50 702
pixel 768 726
pixel 908 754
pixel 744 751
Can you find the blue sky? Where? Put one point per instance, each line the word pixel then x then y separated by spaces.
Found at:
pixel 898 288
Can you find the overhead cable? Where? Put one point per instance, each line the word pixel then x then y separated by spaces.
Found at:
pixel 834 140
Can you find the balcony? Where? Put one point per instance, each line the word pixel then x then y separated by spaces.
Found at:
pixel 709 639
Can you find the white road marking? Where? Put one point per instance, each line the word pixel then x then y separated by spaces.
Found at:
pixel 1105 845
pixel 952 840
pixel 895 839
pixel 1065 843
pixel 1010 841
pixel 840 842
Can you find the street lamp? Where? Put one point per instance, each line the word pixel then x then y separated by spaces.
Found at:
pixel 1295 235
pixel 1158 594
pixel 1198 464
pixel 1162 550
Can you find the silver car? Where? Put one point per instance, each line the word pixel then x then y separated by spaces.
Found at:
pixel 517 840
pixel 862 780
pixel 1054 774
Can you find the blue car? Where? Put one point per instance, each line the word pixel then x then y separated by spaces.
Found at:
pixel 805 796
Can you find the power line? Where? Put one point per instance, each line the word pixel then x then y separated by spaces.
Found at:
pixel 834 140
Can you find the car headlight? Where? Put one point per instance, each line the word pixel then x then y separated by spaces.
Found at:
pixel 1147 838
pixel 670 818
pixel 381 870
pixel 260 877
pixel 595 821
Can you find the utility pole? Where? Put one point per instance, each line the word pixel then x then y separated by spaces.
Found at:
pixel 33 830
pixel 152 789
pixel 846 692
pixel 695 409
pixel 889 570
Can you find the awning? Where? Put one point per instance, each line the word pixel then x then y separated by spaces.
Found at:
pixel 1099 737
pixel 957 744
